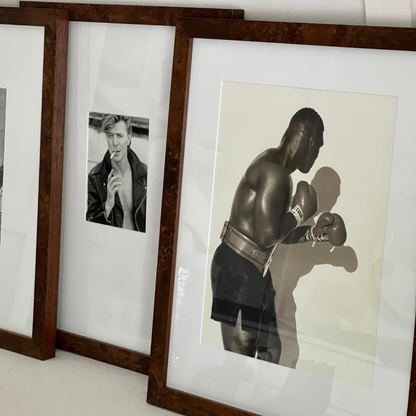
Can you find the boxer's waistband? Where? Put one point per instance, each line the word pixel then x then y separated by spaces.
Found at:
pixel 244 246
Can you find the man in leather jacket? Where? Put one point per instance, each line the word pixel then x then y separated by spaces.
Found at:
pixel 117 186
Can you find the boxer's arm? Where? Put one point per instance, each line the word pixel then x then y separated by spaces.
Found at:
pixel 297 236
pixel 271 223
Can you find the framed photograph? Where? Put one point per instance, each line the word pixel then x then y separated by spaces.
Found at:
pixel 33 50
pixel 286 254
pixel 119 74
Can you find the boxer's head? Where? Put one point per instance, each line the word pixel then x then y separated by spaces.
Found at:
pixel 304 137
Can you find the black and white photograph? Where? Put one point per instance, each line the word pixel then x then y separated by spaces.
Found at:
pixel 2 136
pixel 117 166
pixel 294 267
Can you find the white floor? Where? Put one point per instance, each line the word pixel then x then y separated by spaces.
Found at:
pixel 70 385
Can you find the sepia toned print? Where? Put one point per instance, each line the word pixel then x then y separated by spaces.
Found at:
pixel 280 221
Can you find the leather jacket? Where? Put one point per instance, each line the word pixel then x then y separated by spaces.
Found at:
pixel 97 193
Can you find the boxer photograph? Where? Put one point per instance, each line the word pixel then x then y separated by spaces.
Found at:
pixel 264 214
pixel 117 179
pixel 293 269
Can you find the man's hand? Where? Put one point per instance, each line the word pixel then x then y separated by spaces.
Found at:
pixel 113 185
pixel 305 202
pixel 329 227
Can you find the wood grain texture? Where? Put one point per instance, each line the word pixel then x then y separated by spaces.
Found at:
pixel 402 39
pixel 101 351
pixel 188 29
pixel 145 15
pixel 42 343
pixel 170 207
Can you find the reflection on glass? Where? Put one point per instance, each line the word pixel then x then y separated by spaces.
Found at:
pixel 2 134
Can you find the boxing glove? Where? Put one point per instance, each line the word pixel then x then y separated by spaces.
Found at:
pixel 329 227
pixel 305 202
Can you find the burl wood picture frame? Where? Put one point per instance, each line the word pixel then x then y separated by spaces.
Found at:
pixel 187 375
pixel 42 275
pixel 75 336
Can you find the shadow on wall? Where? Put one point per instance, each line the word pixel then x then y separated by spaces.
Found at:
pixel 291 262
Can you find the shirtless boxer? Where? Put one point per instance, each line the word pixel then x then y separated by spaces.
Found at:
pixel 263 214
pixel 117 185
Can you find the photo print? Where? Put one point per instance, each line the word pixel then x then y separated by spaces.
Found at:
pixel 117 166
pixel 2 136
pixel 293 275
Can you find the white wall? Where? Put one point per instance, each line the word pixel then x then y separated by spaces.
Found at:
pixel 311 11
pixel 350 12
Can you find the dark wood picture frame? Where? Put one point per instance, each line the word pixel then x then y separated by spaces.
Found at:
pixel 400 39
pixel 140 15
pixel 42 343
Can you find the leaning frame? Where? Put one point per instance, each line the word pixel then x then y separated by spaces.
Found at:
pixel 133 15
pixel 399 39
pixel 42 343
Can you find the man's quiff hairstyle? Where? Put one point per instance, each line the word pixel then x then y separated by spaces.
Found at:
pixel 310 118
pixel 109 120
